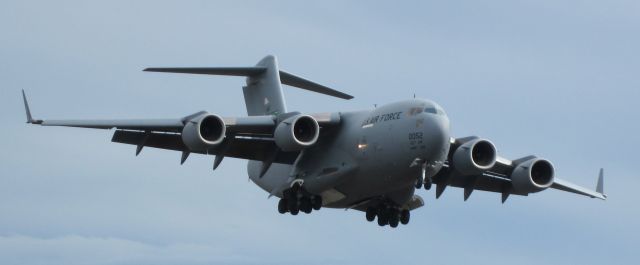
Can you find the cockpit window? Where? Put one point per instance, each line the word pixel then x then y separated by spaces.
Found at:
pixel 431 110
pixel 434 110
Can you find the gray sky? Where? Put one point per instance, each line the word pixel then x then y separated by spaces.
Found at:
pixel 551 78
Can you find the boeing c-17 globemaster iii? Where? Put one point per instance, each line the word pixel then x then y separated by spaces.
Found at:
pixel 372 160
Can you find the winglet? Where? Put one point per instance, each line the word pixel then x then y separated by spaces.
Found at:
pixel 28 111
pixel 600 185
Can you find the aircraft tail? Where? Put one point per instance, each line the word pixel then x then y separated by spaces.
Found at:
pixel 263 92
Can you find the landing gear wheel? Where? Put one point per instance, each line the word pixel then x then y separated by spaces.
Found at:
pixel 382 220
pixel 305 205
pixel 371 214
pixel 293 206
pixel 383 217
pixel 404 216
pixel 282 206
pixel 393 221
pixel 394 217
pixel 294 210
pixel 316 202
pixel 427 185
pixel 418 184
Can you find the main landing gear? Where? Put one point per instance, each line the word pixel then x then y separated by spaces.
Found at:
pixel 296 199
pixel 388 215
pixel 426 182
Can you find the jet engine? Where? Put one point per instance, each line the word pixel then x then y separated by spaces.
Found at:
pixel 296 133
pixel 203 132
pixel 474 156
pixel 532 175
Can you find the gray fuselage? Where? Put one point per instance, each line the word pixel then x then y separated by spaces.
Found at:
pixel 372 155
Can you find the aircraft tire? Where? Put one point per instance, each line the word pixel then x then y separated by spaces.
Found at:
pixel 405 215
pixel 316 202
pixel 383 218
pixel 371 214
pixel 305 205
pixel 394 219
pixel 293 206
pixel 427 185
pixel 282 206
pixel 393 222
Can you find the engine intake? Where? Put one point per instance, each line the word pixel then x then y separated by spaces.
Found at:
pixel 296 133
pixel 532 175
pixel 474 156
pixel 203 132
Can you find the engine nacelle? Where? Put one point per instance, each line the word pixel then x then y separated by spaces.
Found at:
pixel 296 133
pixel 474 156
pixel 532 175
pixel 204 132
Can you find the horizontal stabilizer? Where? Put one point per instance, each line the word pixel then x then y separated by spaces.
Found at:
pixel 299 82
pixel 234 71
pixel 285 77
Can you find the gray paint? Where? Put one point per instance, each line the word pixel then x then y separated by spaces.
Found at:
pixel 364 159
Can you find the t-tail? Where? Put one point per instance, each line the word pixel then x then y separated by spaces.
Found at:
pixel 263 92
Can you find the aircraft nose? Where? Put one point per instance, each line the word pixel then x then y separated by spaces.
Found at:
pixel 437 138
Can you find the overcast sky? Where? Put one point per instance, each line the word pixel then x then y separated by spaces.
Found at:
pixel 558 79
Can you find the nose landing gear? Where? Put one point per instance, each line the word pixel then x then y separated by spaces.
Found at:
pixel 422 179
pixel 296 199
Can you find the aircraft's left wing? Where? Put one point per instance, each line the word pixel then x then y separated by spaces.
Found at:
pixel 247 137
pixel 499 178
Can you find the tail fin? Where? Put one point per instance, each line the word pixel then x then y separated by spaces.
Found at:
pixel 263 92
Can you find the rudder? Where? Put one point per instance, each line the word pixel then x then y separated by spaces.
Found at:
pixel 263 93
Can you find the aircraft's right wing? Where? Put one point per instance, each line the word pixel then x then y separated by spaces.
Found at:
pixel 246 137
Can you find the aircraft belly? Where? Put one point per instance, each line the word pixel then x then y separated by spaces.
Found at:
pixel 273 179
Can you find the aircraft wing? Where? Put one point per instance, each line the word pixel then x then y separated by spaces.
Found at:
pixel 247 137
pixel 498 179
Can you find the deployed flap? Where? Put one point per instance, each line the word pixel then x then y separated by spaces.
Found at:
pixel 244 148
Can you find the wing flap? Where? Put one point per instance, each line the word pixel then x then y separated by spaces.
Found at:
pixel 240 147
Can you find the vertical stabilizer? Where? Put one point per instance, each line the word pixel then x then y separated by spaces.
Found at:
pixel 263 92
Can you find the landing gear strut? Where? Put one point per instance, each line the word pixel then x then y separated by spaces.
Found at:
pixel 296 199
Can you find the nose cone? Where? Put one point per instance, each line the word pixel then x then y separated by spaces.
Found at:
pixel 437 137
pixel 437 134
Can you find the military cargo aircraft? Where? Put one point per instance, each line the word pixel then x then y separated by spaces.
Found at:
pixel 372 160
